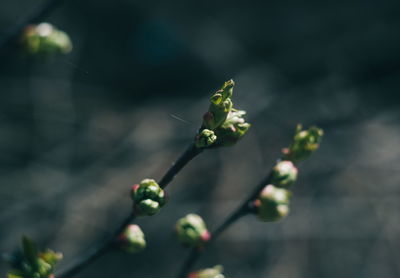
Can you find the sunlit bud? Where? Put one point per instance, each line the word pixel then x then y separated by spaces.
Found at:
pixel 205 138
pixel 233 129
pixel 44 38
pixel 148 197
pixel 284 174
pixel 192 231
pixel 215 272
pixel 220 106
pixel 305 142
pixel 132 239
pixel 272 204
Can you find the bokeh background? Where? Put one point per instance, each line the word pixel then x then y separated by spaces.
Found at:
pixel 78 130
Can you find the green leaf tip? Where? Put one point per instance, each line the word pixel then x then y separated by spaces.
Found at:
pixel 220 106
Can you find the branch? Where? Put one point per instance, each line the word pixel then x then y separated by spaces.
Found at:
pixel 191 152
pixel 245 208
pixel 38 15
pixel 270 198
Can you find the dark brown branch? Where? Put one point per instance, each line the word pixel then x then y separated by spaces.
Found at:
pixel 107 245
pixel 245 208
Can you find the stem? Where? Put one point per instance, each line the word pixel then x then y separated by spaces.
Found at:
pixel 191 152
pixel 245 208
pixel 37 15
pixel 97 251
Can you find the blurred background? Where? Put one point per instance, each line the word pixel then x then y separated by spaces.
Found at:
pixel 78 130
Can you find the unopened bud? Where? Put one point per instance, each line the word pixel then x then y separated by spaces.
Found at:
pixel 192 231
pixel 220 106
pixel 34 264
pixel 215 272
pixel 233 129
pixel 272 204
pixel 132 239
pixel 148 197
pixel 305 142
pixel 205 138
pixel 284 174
pixel 44 38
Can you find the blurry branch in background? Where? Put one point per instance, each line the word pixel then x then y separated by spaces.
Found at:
pixel 38 15
pixel 269 200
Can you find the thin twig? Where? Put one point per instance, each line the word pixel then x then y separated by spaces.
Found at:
pixel 107 245
pixel 38 15
pixel 243 209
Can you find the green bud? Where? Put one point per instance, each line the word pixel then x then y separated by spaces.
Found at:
pixel 44 269
pixel 192 231
pixel 51 257
pixel 233 129
pixel 284 174
pixel 45 39
pixel 205 138
pixel 148 197
pixel 132 239
pixel 220 106
pixel 14 273
pixel 33 263
pixel 215 272
pixel 272 203
pixel 305 142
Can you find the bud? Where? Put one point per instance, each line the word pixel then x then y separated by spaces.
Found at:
pixel 50 257
pixel 284 174
pixel 44 38
pixel 272 203
pixel 233 129
pixel 220 106
pixel 205 138
pixel 132 239
pixel 148 197
pixel 33 263
pixel 215 272
pixel 305 142
pixel 192 231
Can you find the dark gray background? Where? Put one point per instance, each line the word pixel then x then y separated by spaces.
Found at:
pixel 77 131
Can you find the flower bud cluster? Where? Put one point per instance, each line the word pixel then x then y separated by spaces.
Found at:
pixel 215 272
pixel 33 263
pixel 205 138
pixel 45 39
pixel 132 239
pixel 305 143
pixel 148 197
pixel 192 231
pixel 223 124
pixel 272 204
